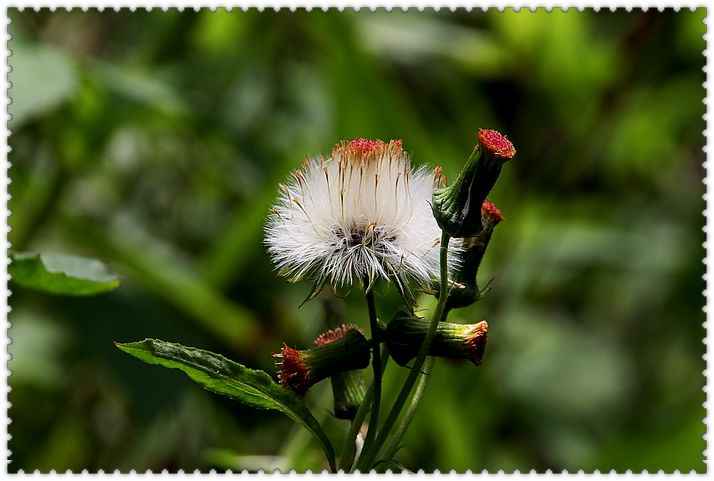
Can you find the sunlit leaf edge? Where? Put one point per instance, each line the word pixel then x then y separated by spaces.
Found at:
pixel 29 270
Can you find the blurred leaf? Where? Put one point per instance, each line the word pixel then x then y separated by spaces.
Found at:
pixel 417 39
pixel 36 349
pixel 678 446
pixel 65 446
pixel 62 274
pixel 42 78
pixel 225 459
pixel 144 88
pixel 160 268
pixel 223 376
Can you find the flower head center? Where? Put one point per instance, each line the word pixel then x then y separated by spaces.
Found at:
pixel 370 235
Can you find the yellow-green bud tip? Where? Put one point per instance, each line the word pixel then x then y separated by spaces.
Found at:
pixel 477 338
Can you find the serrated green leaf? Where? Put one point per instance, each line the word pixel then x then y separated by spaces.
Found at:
pixel 62 274
pixel 221 375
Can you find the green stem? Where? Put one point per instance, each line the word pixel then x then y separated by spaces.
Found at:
pixel 368 458
pixel 377 366
pixel 390 447
pixel 349 445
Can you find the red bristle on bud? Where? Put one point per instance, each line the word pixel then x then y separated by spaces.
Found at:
pixel 477 338
pixel 334 334
pixel 495 143
pixel 491 212
pixel 293 373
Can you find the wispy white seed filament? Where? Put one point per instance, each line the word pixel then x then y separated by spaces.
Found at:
pixel 361 213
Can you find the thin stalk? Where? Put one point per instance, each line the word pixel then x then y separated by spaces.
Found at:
pixel 349 445
pixel 368 458
pixel 391 446
pixel 377 366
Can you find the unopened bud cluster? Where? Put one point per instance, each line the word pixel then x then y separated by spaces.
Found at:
pixel 463 211
pixel 340 352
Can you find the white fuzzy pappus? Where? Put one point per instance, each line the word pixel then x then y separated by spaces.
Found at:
pixel 362 213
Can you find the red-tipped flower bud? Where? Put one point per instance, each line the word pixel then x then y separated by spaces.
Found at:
pixel 496 145
pixel 457 208
pixel 490 213
pixel 293 373
pixel 342 349
pixel 348 388
pixel 406 332
pixel 464 289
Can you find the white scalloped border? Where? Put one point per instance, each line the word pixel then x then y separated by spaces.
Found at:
pixel 709 216
pixel 4 278
pixel 372 6
pixel 343 5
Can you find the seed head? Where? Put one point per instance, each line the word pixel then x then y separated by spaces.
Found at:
pixel 361 213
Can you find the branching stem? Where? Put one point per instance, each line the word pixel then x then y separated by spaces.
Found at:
pixel 370 452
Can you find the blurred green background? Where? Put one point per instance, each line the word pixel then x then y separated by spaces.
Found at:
pixel 155 140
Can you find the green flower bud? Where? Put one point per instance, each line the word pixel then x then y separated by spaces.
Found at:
pixel 348 387
pixel 457 208
pixel 405 334
pixel 464 289
pixel 298 370
pixel 348 391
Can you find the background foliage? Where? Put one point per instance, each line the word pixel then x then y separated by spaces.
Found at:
pixel 155 140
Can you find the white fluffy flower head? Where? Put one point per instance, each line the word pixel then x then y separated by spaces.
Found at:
pixel 361 214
